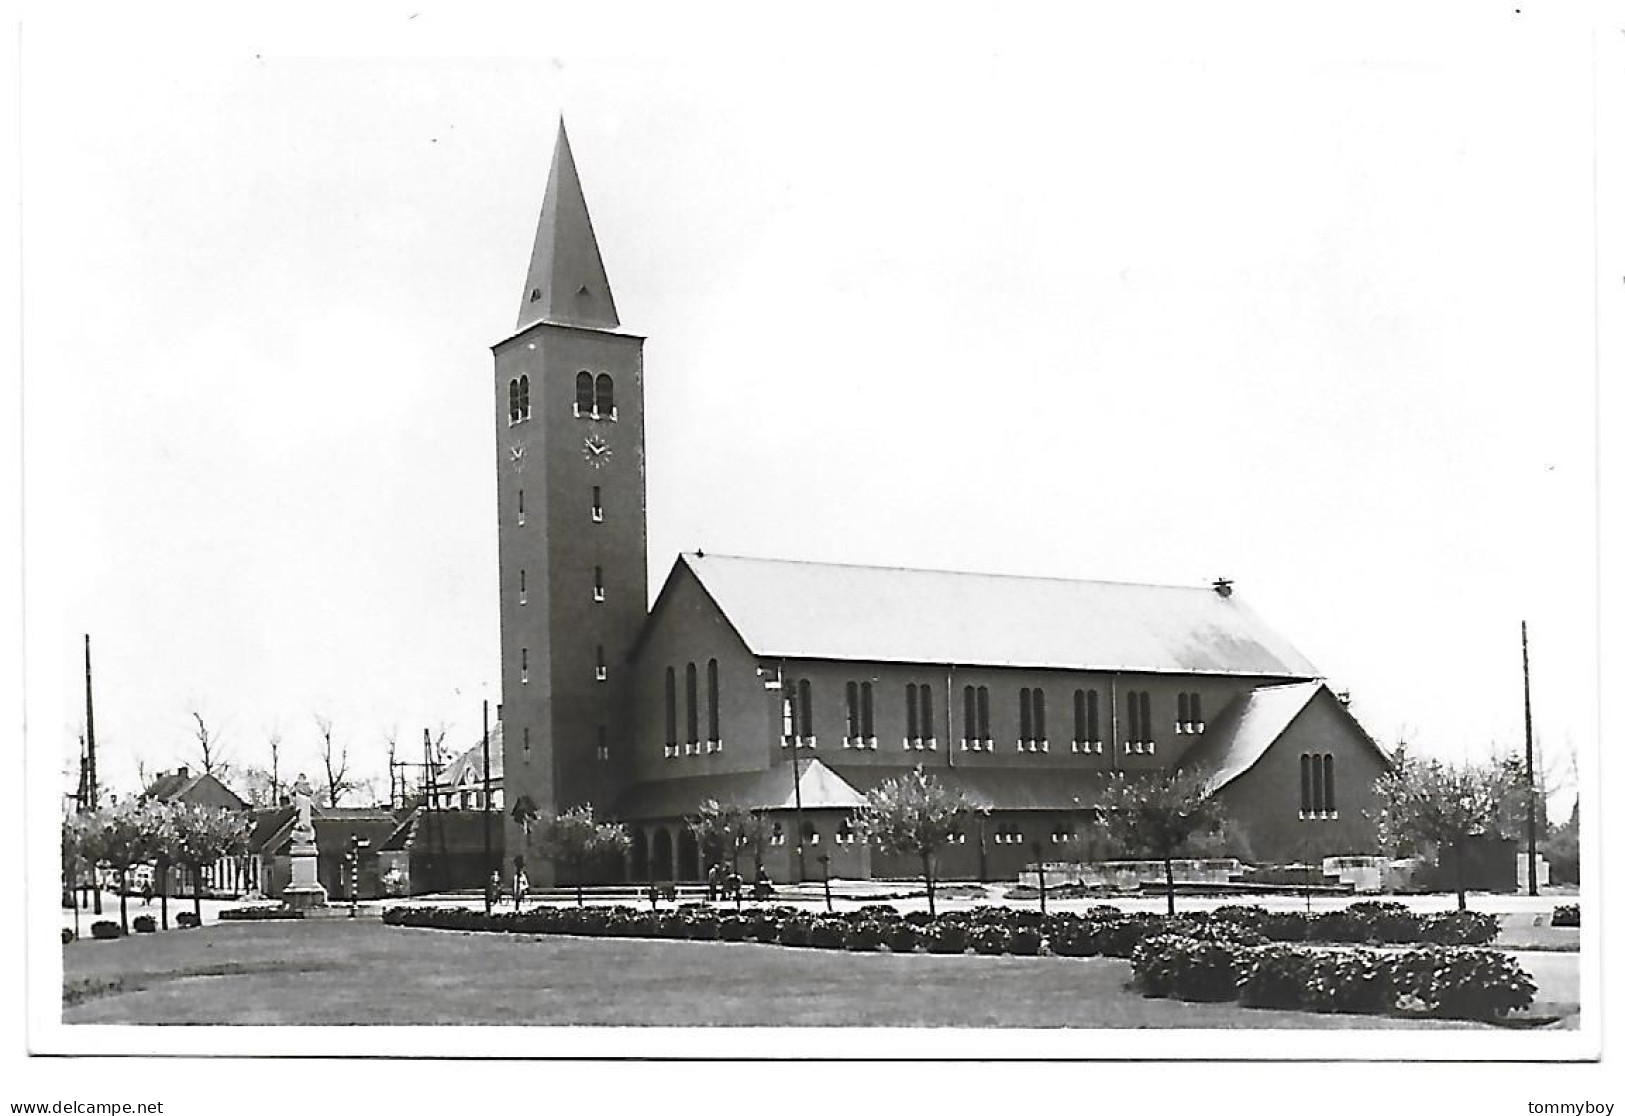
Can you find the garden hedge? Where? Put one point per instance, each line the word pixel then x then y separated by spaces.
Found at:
pixel 1098 931
pixel 1454 982
pixel 256 914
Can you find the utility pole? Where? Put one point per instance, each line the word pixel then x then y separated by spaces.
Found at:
pixel 485 821
pixel 429 811
pixel 90 766
pixel 1529 759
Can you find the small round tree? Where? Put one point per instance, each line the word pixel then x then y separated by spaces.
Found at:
pixel 203 835
pixel 1157 815
pixel 575 837
pixel 913 815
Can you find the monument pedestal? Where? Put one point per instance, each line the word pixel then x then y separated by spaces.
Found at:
pixel 303 891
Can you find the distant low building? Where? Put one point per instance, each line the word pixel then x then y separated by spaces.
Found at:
pixel 226 876
pixel 441 850
pixel 461 786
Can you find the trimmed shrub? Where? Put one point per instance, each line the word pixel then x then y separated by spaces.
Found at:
pixel 1463 982
pixel 1460 928
pixel 1284 926
pixel 1385 921
pixel 874 912
pixel 945 937
pixel 1074 939
pixel 733 928
pixel 703 927
pixel 764 926
pixel 1189 968
pixel 1103 911
pixel 186 920
pixel 901 936
pixel 1276 977
pixel 918 918
pixel 144 924
pixel 796 931
pixel 828 933
pixel 989 939
pixel 103 930
pixel 67 934
pixel 1566 914
pixel 1353 980
pixel 1025 941
pixel 1118 937
pixel 865 936
pixel 256 914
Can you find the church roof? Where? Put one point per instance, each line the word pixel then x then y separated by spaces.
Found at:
pixel 1247 727
pixel 566 283
pixel 809 610
pixel 770 789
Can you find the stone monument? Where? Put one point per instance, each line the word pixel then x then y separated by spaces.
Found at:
pixel 303 890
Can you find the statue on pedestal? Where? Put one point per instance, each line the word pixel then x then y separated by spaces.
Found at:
pixel 304 830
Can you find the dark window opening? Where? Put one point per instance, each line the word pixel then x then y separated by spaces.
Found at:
pixel 604 396
pixel 583 393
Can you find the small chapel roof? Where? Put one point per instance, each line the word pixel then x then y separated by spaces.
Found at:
pixel 813 610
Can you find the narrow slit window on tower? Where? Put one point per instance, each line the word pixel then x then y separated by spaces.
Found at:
pixel 601 670
pixel 868 709
pixel 804 712
pixel 603 744
pixel 597 504
pixel 513 402
pixel 671 711
pixel 521 586
pixel 604 397
pixel 583 394
pixel 598 583
pixel 524 735
pixel 712 703
pixel 521 507
pixel 692 692
pixel 524 664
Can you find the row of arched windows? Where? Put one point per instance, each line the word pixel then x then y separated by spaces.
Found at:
pixel 595 396
pixel 1317 792
pixel 691 743
pixel 860 715
pixel 1034 732
pixel 518 400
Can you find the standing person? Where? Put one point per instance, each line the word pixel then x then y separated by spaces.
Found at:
pixel 521 883
pixel 146 893
pixel 711 877
pixel 493 889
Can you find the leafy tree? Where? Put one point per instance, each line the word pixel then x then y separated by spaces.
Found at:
pixel 1427 804
pixel 73 858
pixel 913 815
pixel 1158 816
pixel 203 835
pixel 119 837
pixel 163 848
pixel 1562 849
pixel 718 830
pixel 575 837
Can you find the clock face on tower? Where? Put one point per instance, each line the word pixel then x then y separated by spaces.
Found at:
pixel 595 450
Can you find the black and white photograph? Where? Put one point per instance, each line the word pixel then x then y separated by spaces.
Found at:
pixel 719 540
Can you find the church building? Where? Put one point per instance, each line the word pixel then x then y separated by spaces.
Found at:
pixel 793 688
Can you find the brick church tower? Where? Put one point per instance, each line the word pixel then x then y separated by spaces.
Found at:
pixel 571 536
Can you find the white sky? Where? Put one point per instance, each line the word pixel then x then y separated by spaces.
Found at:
pixel 1305 305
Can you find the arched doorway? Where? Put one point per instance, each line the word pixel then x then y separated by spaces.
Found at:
pixel 640 855
pixel 688 855
pixel 660 869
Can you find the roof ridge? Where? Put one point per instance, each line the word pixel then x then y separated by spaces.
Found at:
pixel 702 557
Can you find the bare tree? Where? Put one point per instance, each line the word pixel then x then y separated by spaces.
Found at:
pixel 273 741
pixel 336 766
pixel 211 756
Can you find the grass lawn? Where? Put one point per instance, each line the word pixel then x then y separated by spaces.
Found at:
pixel 333 971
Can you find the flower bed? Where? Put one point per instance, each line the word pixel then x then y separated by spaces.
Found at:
pixel 1566 914
pixel 256 914
pixel 1098 931
pixel 143 924
pixel 1453 982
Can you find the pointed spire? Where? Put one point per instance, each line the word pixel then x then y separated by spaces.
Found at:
pixel 566 284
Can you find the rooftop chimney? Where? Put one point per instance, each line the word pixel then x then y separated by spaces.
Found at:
pixel 1222 586
pixel 181 772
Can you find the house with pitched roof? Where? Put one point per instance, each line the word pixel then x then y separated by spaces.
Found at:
pixel 791 689
pixel 227 876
